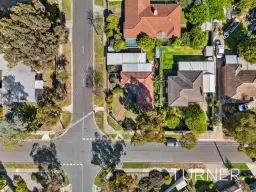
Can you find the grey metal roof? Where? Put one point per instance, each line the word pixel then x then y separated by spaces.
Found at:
pixel 137 67
pixel 124 58
pixel 208 83
pixel 231 59
pixel 208 51
pixel 18 83
pixel 206 66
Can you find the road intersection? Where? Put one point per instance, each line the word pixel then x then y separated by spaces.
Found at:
pixel 74 148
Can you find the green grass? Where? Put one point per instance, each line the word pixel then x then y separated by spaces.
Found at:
pixel 19 166
pixel 129 114
pixel 240 166
pixel 117 106
pixel 98 181
pixel 99 120
pixel 115 3
pixel 98 39
pixel 66 5
pixel 138 165
pixel 99 2
pixel 127 136
pixel 66 118
pixel 235 38
pixel 114 124
pixel 171 55
pixel 34 137
pixel 65 177
pixel 183 19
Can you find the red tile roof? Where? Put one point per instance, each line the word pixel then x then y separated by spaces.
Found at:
pixel 143 82
pixel 139 17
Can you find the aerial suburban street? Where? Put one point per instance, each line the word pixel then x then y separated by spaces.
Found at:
pixel 74 148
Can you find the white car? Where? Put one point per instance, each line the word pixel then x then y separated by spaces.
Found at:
pixel 245 107
pixel 219 50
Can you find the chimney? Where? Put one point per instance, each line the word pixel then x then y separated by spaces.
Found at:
pixel 154 10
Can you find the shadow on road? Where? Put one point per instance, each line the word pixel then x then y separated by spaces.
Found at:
pixel 106 153
pixel 49 166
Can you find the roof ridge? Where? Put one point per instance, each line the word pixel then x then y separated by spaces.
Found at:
pixel 144 18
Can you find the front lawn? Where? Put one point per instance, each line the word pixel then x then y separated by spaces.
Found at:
pixel 66 4
pixel 114 124
pixel 98 39
pixel 99 120
pixel 117 106
pixel 240 166
pixel 236 37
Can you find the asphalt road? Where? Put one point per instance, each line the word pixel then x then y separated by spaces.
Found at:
pixel 74 148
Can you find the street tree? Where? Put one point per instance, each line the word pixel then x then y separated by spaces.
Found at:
pixel 29 36
pixel 195 119
pixel 2 182
pixel 48 114
pixel 241 126
pixel 13 132
pixel 247 50
pixel 19 184
pixel 172 118
pixel 62 76
pixel 156 178
pixel 188 141
pixel 149 128
pixel 119 182
pixel 198 14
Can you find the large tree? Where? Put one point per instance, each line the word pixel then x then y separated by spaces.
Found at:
pixel 30 36
pixel 198 38
pixel 149 128
pixel 242 127
pixel 247 49
pixel 13 132
pixel 119 182
pixel 195 119
pixel 188 141
pixel 216 10
pixel 172 118
pixel 145 43
pixel 19 184
pixel 198 14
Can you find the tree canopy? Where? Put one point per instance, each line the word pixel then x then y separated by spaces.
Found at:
pixel 188 141
pixel 195 38
pixel 195 119
pixel 198 14
pixel 3 182
pixel 241 126
pixel 216 10
pixel 149 128
pixel 145 42
pixel 247 49
pixel 13 132
pixel 120 182
pixel 19 184
pixel 172 118
pixel 30 36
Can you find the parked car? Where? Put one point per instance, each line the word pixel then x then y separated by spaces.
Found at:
pixel 219 49
pixel 245 107
pixel 172 143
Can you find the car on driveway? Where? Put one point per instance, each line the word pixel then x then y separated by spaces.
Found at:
pixel 219 49
pixel 245 107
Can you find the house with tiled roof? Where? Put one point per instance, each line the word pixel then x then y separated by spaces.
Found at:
pixel 136 76
pixel 156 20
pixel 238 79
pixel 191 82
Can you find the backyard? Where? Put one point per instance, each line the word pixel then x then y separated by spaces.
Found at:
pixel 171 55
pixel 235 38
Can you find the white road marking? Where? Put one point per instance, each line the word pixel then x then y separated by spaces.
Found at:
pixel 83 49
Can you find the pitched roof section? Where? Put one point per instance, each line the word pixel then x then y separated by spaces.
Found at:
pixel 181 90
pixel 121 58
pixel 233 79
pixel 207 66
pixel 140 17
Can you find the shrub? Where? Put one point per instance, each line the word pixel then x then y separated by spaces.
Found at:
pixel 167 179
